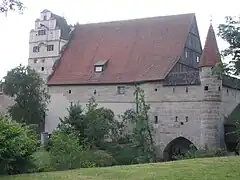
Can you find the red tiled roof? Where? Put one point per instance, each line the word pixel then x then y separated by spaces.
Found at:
pixel 210 55
pixel 138 50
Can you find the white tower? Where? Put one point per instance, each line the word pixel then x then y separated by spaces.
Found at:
pixel 46 41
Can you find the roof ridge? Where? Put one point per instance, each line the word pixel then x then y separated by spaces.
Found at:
pixel 136 19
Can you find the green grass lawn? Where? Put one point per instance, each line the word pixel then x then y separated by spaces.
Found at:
pixel 194 169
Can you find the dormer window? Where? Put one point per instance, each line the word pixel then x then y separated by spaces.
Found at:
pixel 45 18
pixel 100 66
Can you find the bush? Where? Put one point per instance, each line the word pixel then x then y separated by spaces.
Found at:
pixel 102 158
pixel 123 154
pixel 64 150
pixel 17 143
pixel 201 153
pixel 42 161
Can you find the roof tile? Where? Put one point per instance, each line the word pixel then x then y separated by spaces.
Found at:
pixel 138 50
pixel 210 55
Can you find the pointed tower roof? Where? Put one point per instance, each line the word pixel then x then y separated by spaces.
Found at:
pixel 210 55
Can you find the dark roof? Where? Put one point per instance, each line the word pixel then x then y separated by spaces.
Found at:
pixel 63 25
pixel 182 78
pixel 45 10
pixel 138 50
pixel 231 82
pixel 210 55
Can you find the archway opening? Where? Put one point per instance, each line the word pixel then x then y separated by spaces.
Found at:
pixel 176 147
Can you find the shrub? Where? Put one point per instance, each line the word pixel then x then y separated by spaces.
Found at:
pixel 17 143
pixel 102 158
pixel 42 161
pixel 64 151
pixel 123 153
pixel 201 153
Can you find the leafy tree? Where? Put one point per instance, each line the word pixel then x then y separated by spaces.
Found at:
pixel 31 98
pixel 17 143
pixel 11 5
pixel 142 135
pixel 230 32
pixel 92 125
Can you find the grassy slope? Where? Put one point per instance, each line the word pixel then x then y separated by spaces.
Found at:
pixel 194 169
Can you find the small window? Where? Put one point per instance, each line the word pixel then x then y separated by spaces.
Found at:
pixel 156 119
pixel 121 89
pixel 186 89
pixel 95 92
pixel 43 60
pixel 98 69
pixel 219 88
pixel 176 119
pixel 35 61
pixel 155 89
pixel 50 47
pixel 182 123
pixel 186 118
pixel 198 59
pixel 45 18
pixel 36 49
pixel 41 32
pixel 173 89
pixel 206 88
pixel 186 54
pixel 227 91
pixel 42 68
pixel 69 91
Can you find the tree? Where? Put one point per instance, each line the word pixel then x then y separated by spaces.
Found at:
pixel 17 144
pixel 142 135
pixel 31 98
pixel 11 5
pixel 230 32
pixel 92 125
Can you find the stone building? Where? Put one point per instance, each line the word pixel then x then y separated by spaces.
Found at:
pixel 163 55
pixel 46 41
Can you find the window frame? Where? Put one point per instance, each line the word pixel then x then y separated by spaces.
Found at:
pixel 42 32
pixel 50 47
pixel 36 49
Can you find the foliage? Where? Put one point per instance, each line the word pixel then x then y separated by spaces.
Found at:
pixel 64 151
pixel 230 32
pixel 123 153
pixel 42 161
pixel 142 135
pixel 17 143
pixel 92 126
pixel 201 153
pixel 220 168
pixel 31 98
pixel 11 5
pixel 101 158
pixel 221 69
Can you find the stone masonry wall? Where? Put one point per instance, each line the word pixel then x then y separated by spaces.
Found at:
pixel 230 100
pixel 178 108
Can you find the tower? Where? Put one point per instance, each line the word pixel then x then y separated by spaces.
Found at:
pixel 46 40
pixel 211 86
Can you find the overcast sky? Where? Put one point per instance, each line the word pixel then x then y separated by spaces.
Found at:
pixel 15 28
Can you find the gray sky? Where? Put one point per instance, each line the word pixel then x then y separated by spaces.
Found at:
pixel 15 28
